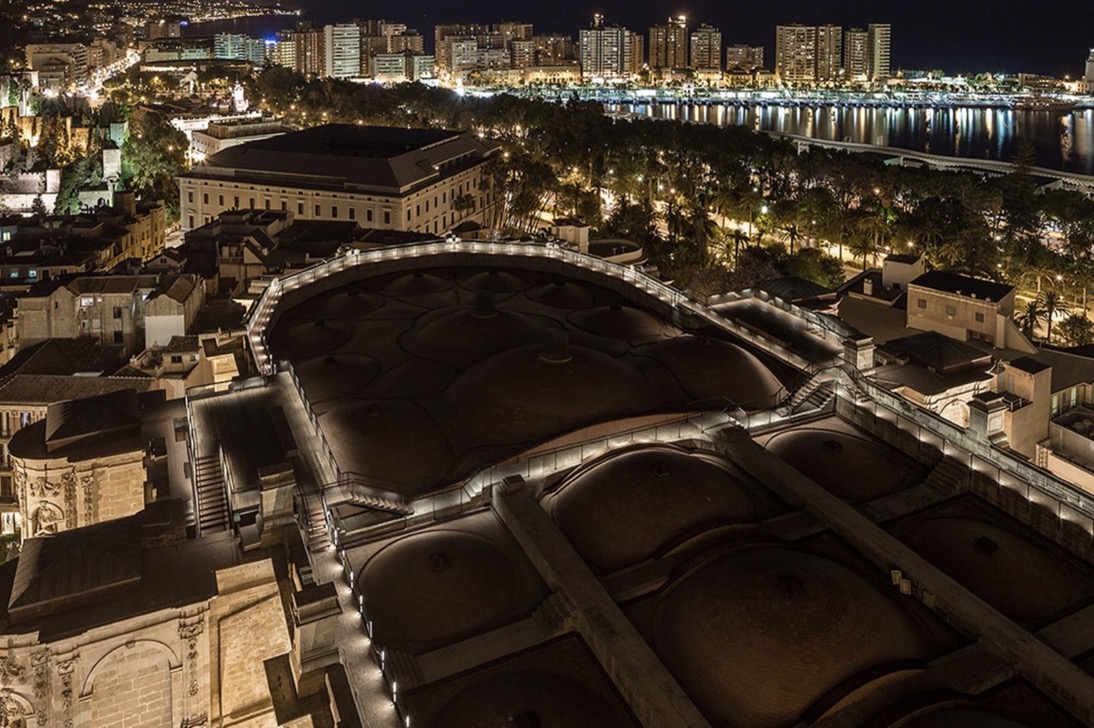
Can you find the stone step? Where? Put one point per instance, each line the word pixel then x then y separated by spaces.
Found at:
pixel 381 504
pixel 402 668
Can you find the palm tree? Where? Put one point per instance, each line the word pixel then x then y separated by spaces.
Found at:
pixel 1027 318
pixel 737 236
pixel 1052 303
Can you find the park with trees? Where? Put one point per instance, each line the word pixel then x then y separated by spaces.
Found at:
pixel 725 207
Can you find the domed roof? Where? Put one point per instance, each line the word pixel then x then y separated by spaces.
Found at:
pixel 622 322
pixel 497 281
pixel 711 369
pixel 962 718
pixel 333 376
pixel 623 508
pixel 533 391
pixel 415 284
pixel 849 466
pixel 555 701
pixel 436 586
pixel 463 335
pixel 757 636
pixel 314 338
pixel 343 303
pixel 395 442
pixel 561 294
pixel 1007 571
pixel 412 378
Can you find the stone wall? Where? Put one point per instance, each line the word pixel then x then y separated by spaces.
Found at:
pixel 57 495
pixel 247 627
pixel 1019 499
pixel 196 665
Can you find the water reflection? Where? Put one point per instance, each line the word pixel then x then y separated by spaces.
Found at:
pixel 1061 139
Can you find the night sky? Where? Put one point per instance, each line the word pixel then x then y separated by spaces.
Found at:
pixel 1046 36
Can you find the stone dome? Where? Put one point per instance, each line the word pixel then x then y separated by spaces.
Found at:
pixel 849 466
pixel 310 339
pixel 1014 575
pixel 412 379
pixel 561 294
pixel 758 635
pixel 623 508
pixel 336 375
pixel 463 335
pixel 437 586
pixel 618 321
pixel 415 284
pixel 496 281
pixel 533 391
pixel 343 303
pixel 388 440
pixel 550 699
pixel 710 369
pixel 962 718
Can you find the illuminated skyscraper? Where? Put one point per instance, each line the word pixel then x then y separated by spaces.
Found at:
pixel 745 57
pixel 607 52
pixel 796 53
pixel 829 52
pixel 343 50
pixel 878 44
pixel 706 48
pixel 669 44
pixel 855 42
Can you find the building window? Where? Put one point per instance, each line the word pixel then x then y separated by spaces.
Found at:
pixel 368 215
pixel 220 200
pixel 190 221
pixel 205 199
pixel 117 312
pixel 317 212
pixel 176 358
pixel 334 212
pixel 387 217
pixel 190 196
pixel 118 337
pixel 251 203
pixel 235 203
pixel 979 318
pixel 951 310
pixel 300 208
pixel 353 213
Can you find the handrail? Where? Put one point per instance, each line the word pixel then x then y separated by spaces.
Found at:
pixel 262 313
pixel 1048 484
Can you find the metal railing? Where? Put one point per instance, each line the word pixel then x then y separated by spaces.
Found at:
pixel 263 313
pixel 1039 485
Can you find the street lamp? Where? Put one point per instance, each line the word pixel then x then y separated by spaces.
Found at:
pixel 751 210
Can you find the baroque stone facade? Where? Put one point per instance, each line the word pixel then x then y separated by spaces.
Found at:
pixel 57 495
pixel 173 667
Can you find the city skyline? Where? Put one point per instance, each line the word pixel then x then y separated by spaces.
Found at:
pixel 953 37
